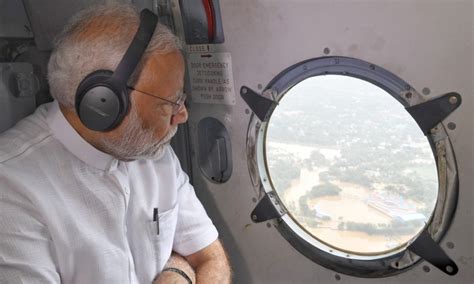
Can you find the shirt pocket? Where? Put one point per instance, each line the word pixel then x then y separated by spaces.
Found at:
pixel 161 233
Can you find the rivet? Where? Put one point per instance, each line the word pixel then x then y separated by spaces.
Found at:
pixel 244 90
pixel 247 111
pixel 254 217
pixel 338 277
pixel 426 268
pixel 326 51
pixel 408 95
pixel 426 91
pixel 450 245
pixel 449 269
pixel 259 86
pixel 452 125
pixel 269 225
pixel 453 100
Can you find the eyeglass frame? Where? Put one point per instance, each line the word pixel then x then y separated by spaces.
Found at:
pixel 177 106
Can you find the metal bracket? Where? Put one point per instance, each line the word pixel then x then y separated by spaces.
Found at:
pixel 430 113
pixel 259 104
pixel 267 208
pixel 425 247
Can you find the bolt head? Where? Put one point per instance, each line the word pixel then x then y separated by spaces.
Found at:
pixel 453 100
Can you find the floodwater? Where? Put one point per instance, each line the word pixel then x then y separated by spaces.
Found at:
pixel 349 206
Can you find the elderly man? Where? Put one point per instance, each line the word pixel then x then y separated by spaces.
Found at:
pixel 82 205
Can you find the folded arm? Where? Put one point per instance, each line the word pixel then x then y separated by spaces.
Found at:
pixel 179 262
pixel 210 264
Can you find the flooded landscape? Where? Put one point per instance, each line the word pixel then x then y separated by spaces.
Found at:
pixel 345 177
pixel 330 213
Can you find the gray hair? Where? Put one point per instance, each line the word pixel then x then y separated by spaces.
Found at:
pixel 97 38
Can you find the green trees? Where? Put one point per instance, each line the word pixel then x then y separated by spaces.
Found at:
pixel 283 171
pixel 304 208
pixel 326 189
pixel 318 159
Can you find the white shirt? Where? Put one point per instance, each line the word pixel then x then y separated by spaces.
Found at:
pixel 70 213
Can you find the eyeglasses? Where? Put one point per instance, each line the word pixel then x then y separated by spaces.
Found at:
pixel 177 106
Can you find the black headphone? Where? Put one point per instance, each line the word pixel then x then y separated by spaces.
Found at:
pixel 102 97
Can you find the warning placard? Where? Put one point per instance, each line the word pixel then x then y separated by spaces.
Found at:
pixel 211 78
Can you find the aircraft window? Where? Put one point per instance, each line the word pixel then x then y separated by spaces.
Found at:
pixel 354 167
pixel 351 165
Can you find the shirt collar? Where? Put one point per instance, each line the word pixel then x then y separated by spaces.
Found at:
pixel 73 142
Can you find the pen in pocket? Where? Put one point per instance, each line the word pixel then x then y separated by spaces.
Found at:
pixel 157 220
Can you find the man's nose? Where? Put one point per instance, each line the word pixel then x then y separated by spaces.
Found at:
pixel 180 117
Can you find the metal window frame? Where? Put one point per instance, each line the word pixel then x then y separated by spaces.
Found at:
pixel 428 113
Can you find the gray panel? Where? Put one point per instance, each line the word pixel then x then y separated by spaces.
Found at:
pixel 47 17
pixel 18 86
pixel 429 44
pixel 13 20
pixel 215 151
pixel 144 4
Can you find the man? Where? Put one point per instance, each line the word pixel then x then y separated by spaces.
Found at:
pixel 85 206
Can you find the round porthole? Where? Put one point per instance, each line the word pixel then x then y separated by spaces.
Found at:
pixel 351 165
pixel 356 178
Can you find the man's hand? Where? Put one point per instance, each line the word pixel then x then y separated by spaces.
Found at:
pixel 210 264
pixel 167 277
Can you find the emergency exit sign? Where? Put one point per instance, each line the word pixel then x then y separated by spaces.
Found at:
pixel 211 78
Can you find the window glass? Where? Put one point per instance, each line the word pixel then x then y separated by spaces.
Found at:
pixel 350 164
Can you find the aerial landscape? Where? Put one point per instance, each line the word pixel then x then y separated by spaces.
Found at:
pixel 350 164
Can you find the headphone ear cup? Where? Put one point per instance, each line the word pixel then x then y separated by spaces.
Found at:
pixel 100 104
pixel 102 98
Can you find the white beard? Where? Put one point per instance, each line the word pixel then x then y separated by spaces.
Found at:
pixel 137 143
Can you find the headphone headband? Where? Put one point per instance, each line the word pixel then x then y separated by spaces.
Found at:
pixel 142 38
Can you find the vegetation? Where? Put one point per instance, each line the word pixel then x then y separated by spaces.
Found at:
pixel 326 189
pixel 283 172
pixel 304 208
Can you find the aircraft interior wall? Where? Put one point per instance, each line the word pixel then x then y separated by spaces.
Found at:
pixel 426 43
pixel 421 48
